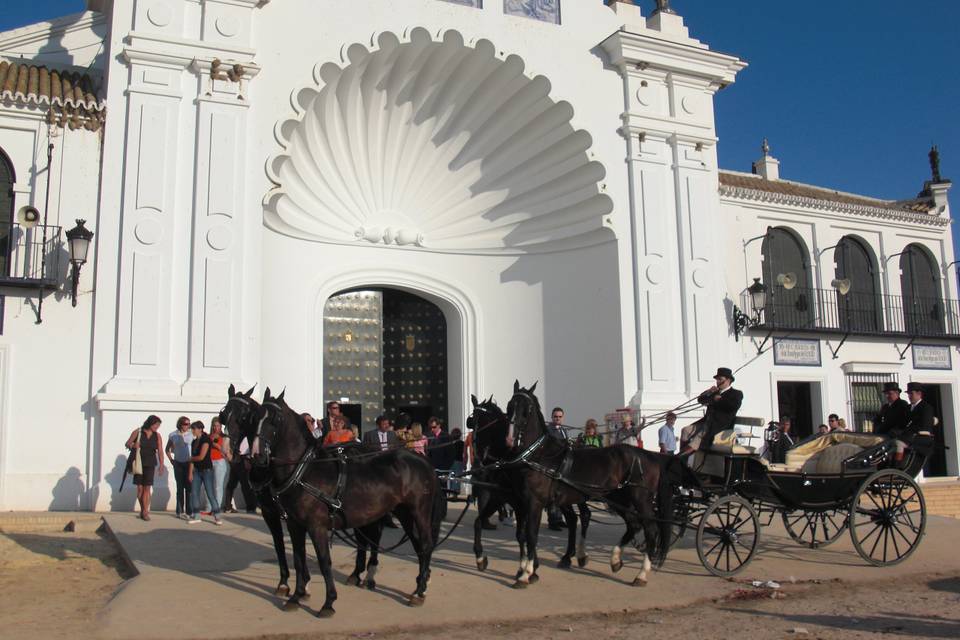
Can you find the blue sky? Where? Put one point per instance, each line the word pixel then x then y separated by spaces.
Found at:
pixel 851 94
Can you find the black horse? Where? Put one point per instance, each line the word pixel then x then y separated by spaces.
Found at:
pixel 238 417
pixel 322 489
pixel 634 483
pixel 493 487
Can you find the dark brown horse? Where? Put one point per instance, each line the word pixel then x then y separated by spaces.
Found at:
pixel 323 489
pixel 238 417
pixel 492 487
pixel 632 482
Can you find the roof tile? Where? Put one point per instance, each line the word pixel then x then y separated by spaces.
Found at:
pixel 72 96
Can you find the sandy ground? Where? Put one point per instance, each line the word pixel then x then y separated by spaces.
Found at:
pixel 55 584
pixel 922 607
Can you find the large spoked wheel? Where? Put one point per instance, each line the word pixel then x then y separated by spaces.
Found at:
pixel 815 528
pixel 727 536
pixel 888 517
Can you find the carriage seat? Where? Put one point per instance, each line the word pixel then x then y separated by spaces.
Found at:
pixel 726 442
pixel 826 453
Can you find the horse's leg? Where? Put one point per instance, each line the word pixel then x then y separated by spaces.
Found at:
pixel 582 556
pixel 298 542
pixel 616 556
pixel 373 532
pixel 414 534
pixel 647 517
pixel 570 519
pixel 353 580
pixel 521 534
pixel 271 516
pixel 486 506
pixel 321 545
pixel 532 515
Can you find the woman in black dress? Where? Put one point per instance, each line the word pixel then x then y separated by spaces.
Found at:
pixel 150 443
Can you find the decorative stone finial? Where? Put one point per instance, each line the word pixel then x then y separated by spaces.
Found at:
pixel 765 147
pixel 934 156
pixel 663 6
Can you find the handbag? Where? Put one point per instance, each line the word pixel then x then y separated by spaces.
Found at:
pixel 137 464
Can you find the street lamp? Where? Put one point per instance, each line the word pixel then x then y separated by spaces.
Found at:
pixel 79 240
pixel 758 301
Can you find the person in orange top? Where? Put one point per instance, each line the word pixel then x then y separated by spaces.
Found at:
pixel 339 433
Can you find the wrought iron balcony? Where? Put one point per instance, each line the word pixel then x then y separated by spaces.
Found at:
pixel 808 310
pixel 32 257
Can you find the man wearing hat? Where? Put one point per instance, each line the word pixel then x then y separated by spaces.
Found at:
pixel 722 402
pixel 922 417
pixel 894 414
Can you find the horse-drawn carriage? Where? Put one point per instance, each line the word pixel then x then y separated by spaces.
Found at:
pixel 829 484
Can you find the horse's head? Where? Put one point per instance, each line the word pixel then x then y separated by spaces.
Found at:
pixel 490 427
pixel 525 415
pixel 273 426
pixel 238 416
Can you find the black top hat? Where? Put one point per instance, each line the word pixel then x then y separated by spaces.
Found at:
pixel 891 386
pixel 724 372
pixel 915 386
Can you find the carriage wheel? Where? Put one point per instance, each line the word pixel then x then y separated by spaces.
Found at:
pixel 681 517
pixel 815 528
pixel 727 536
pixel 888 517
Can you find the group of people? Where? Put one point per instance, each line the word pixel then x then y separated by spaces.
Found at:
pixel 204 466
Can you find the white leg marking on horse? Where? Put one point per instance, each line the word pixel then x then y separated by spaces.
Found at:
pixel 522 573
pixel 642 578
pixel 615 556
pixel 528 567
pixel 581 545
pixel 372 572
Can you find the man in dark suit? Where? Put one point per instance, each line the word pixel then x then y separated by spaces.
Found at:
pixel 922 418
pixel 722 402
pixel 894 414
pixel 383 438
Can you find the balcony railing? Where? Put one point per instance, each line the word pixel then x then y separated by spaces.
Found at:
pixel 828 311
pixel 32 257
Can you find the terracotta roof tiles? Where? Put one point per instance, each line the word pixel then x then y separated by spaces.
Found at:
pixel 71 96
pixel 734 181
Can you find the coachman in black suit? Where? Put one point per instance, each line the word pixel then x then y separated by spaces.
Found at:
pixel 722 402
pixel 894 414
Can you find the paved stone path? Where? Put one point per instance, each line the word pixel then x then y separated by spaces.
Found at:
pixel 214 582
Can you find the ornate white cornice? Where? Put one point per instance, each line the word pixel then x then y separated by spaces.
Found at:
pixel 820 204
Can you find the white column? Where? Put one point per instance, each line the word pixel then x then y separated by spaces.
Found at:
pixel 669 82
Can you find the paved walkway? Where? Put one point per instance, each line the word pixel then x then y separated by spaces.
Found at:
pixel 216 582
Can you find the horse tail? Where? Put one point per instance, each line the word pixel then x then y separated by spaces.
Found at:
pixel 438 510
pixel 665 486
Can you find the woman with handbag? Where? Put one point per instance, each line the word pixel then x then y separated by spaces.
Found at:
pixel 145 445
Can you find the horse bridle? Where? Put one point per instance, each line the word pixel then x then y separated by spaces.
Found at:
pixel 226 414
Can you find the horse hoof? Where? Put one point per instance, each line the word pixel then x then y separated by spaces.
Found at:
pixel 582 562
pixel 616 567
pixel 564 563
pixel 353 580
pixel 416 601
pixel 639 582
pixel 534 579
pixel 519 584
pixel 371 585
pixel 483 563
pixel 326 612
pixel 282 590
pixel 291 605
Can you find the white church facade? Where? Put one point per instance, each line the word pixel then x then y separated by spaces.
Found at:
pixel 396 208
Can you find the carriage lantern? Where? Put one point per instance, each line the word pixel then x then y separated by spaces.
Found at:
pixel 79 240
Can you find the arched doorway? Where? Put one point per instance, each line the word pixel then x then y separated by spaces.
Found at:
pixel 385 352
pixel 920 286
pixel 858 309
pixel 786 272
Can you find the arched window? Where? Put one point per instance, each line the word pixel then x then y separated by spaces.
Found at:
pixel 786 272
pixel 920 286
pixel 7 179
pixel 860 309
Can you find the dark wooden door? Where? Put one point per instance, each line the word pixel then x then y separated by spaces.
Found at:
pixel 7 179
pixel 859 310
pixel 794 400
pixel 785 255
pixel 936 466
pixel 920 285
